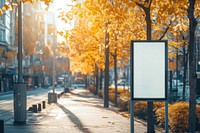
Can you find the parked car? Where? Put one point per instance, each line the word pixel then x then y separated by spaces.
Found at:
pixel 122 83
pixel 75 86
pixel 60 80
pixel 198 100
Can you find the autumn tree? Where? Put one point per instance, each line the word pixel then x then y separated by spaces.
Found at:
pixel 149 19
pixel 47 60
pixel 106 17
pixel 9 56
pixel 192 28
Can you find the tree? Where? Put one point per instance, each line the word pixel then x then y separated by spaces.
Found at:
pixel 100 17
pixel 192 76
pixel 9 56
pixel 29 34
pixel 10 5
pixel 150 19
pixel 47 60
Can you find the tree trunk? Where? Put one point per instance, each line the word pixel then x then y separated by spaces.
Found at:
pixel 192 72
pixel 100 79
pixel 115 71
pixel 106 76
pixel 97 78
pixel 170 81
pixel 185 60
pixel 177 73
pixel 86 81
pixel 150 123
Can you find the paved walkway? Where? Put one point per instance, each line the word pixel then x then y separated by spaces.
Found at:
pixel 76 112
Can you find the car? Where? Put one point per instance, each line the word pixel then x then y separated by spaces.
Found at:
pixel 122 83
pixel 198 100
pixel 75 86
pixel 60 80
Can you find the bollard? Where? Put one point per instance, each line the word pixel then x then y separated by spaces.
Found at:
pixel 52 97
pixel 34 108
pixel 1 126
pixel 43 105
pixel 30 109
pixel 66 89
pixel 39 107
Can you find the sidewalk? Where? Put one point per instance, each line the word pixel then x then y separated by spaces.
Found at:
pixel 76 112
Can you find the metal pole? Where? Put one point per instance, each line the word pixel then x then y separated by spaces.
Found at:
pixel 52 97
pixel 20 87
pixel 132 116
pixel 54 52
pixel 20 40
pixel 166 116
pixel 53 70
pixel 1 126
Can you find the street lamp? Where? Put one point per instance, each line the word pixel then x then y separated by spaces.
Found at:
pixel 20 87
pixel 52 97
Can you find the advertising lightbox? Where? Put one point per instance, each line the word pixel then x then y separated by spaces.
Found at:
pixel 149 68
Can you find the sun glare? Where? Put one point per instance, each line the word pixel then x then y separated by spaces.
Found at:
pixel 62 5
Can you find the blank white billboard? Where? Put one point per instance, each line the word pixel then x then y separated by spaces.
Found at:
pixel 149 70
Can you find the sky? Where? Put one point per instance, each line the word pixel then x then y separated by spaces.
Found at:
pixel 63 4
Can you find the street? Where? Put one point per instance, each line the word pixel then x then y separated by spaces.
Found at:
pixel 33 97
pixel 76 112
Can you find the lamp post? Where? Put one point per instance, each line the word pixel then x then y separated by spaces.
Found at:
pixel 52 97
pixel 54 53
pixel 20 87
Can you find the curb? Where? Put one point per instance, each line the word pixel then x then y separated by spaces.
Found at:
pixel 6 93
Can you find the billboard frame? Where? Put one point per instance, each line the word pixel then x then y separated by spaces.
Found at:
pixel 165 69
pixel 164 99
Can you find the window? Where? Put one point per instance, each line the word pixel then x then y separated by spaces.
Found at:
pixel 2 2
pixel 2 35
pixel 2 19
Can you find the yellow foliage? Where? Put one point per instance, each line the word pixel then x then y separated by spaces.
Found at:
pixel 158 105
pixel 47 1
pixel 160 113
pixel 5 7
pixel 1 12
pixel 178 116
pixel 11 55
pixel 140 110
pixel 198 112
pixel 12 5
pixel 1 50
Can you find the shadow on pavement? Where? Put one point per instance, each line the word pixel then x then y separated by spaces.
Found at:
pixel 84 94
pixel 96 101
pixel 73 118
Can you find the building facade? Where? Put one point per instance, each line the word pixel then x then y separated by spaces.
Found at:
pixel 7 44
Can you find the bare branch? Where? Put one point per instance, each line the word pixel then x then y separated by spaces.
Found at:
pixel 166 31
pixel 140 5
pixel 150 3
pixel 111 54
